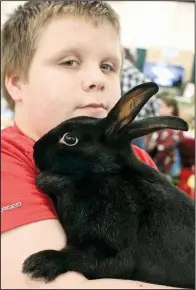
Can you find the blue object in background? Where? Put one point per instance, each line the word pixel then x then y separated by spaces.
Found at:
pixel 176 167
pixel 139 142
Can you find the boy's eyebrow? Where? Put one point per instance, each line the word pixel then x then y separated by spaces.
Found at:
pixel 113 58
pixel 61 53
pixel 77 52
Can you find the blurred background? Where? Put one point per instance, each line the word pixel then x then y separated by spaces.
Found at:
pixel 159 42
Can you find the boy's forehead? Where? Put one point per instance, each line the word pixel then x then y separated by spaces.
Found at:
pixel 69 32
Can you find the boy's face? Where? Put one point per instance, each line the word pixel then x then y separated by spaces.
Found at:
pixel 75 72
pixel 164 109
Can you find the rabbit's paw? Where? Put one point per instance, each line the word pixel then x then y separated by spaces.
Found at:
pixel 45 265
pixel 41 180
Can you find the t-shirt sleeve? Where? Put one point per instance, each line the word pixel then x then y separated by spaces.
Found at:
pixel 144 156
pixel 21 201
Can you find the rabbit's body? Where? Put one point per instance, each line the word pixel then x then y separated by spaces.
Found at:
pixel 130 221
pixel 122 218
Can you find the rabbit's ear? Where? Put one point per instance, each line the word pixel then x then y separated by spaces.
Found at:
pixel 129 105
pixel 150 125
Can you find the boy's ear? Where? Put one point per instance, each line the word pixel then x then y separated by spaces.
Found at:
pixel 13 86
pixel 150 125
pixel 127 108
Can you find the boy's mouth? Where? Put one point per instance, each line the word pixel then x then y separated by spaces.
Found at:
pixel 94 106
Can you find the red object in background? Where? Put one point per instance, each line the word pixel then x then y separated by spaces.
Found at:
pixel 187 177
pixel 187 152
pixel 187 174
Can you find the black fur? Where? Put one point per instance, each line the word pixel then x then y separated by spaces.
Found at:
pixel 123 219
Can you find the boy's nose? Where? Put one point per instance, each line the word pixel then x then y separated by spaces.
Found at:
pixel 93 83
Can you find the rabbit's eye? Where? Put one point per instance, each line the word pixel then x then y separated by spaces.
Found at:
pixel 69 139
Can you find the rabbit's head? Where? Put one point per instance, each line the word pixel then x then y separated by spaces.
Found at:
pixel 100 145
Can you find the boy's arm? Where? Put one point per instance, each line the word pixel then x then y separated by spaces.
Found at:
pixel 19 243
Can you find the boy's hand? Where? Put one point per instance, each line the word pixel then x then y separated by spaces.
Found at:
pixel 121 284
pixel 77 281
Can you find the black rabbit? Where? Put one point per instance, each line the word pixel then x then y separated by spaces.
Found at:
pixel 123 219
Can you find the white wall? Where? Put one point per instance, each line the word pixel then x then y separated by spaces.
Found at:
pixel 157 23
pixel 147 23
pixel 7 7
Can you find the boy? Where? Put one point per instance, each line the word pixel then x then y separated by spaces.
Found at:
pixel 60 59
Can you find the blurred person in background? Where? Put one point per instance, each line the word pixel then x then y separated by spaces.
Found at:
pixel 131 76
pixel 163 146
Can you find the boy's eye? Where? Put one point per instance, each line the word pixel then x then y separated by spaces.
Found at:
pixel 107 67
pixel 71 63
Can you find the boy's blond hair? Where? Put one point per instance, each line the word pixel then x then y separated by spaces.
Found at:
pixel 24 26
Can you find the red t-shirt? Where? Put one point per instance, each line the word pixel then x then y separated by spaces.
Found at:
pixel 21 201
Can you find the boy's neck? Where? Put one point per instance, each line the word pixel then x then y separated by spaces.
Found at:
pixel 24 126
